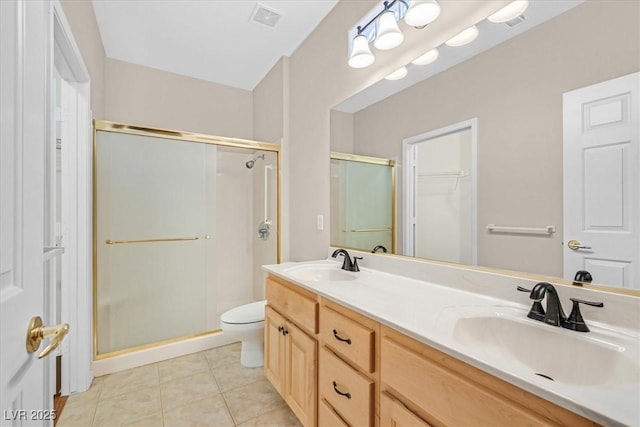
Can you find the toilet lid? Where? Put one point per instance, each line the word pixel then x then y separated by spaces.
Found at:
pixel 248 313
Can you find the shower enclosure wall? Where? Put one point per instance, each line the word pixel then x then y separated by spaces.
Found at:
pixel 182 226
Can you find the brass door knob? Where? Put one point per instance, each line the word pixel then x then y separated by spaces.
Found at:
pixel 36 332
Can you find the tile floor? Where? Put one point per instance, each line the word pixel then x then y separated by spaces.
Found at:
pixel 210 388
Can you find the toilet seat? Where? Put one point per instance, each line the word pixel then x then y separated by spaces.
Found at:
pixel 245 314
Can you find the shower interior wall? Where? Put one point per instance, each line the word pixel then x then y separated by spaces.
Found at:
pixel 233 239
pixel 239 247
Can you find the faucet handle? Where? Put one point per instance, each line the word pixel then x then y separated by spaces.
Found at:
pixel 536 312
pixel 575 322
pixel 355 263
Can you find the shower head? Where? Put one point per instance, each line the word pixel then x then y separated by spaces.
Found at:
pixel 251 162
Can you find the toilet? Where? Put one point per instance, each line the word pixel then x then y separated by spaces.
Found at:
pixel 246 323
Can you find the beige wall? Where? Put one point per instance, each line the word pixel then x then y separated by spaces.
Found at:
pixel 150 97
pixel 268 105
pixel 84 26
pixel 515 90
pixel 342 128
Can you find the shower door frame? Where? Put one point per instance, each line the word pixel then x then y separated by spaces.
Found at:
pixel 130 129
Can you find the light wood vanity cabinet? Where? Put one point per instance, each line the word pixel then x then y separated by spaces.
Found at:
pixel 440 390
pixel 348 374
pixel 394 413
pixel 336 367
pixel 291 349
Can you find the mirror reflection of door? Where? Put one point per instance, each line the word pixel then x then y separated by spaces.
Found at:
pixel 602 182
pixel 439 202
pixel 362 200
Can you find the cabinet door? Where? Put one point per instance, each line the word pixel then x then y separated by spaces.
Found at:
pixel 274 349
pixel 395 414
pixel 301 363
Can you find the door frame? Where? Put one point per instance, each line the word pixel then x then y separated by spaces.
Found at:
pixel 409 146
pixel 76 290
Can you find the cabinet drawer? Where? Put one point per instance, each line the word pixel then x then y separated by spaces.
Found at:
pixel 395 414
pixel 348 338
pixel 348 391
pixel 426 384
pixel 298 307
pixel 328 417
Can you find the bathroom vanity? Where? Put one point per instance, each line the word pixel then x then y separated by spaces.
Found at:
pixel 371 348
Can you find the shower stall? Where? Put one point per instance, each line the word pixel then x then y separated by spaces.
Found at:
pixel 182 224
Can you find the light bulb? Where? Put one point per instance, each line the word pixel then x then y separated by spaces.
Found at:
pixel 427 58
pixel 361 55
pixel 422 12
pixel 464 37
pixel 510 11
pixel 389 35
pixel 398 74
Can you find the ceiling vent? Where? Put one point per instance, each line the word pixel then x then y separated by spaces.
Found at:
pixel 264 15
pixel 516 21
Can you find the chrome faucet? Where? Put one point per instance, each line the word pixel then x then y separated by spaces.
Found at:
pixel 554 314
pixel 347 264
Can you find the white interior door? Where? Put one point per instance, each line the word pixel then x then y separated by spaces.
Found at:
pixel 602 182
pixel 25 31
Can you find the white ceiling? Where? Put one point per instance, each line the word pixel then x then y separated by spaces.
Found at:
pixel 211 40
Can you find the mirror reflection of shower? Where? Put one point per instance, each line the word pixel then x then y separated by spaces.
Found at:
pixel 252 162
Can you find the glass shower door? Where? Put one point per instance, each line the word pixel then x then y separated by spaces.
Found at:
pixel 155 201
pixel 361 204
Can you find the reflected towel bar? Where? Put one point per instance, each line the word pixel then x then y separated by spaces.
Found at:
pixel 549 229
pixel 366 230
pixel 173 239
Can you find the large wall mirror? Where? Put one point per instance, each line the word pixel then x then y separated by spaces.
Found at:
pixel 514 91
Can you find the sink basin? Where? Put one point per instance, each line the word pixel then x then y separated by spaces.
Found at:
pixel 321 273
pixel 514 342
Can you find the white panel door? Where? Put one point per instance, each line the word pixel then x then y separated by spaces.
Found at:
pixel 602 182
pixel 24 69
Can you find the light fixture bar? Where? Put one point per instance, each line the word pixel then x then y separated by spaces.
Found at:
pixel 388 5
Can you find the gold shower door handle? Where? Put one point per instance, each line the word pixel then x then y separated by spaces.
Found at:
pixel 36 332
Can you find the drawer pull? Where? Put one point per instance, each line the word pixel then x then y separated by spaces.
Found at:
pixel 339 338
pixel 341 393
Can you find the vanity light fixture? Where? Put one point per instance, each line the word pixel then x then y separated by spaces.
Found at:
pixel 427 58
pixel 361 55
pixel 464 37
pixel 422 12
pixel 386 34
pixel 509 12
pixel 398 74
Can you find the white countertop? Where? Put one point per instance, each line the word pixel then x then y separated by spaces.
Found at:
pixel 419 309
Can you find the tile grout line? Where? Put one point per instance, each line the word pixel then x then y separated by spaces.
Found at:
pixel 95 410
pixel 224 399
pixel 160 392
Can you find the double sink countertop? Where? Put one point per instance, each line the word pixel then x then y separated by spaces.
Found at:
pixel 595 374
